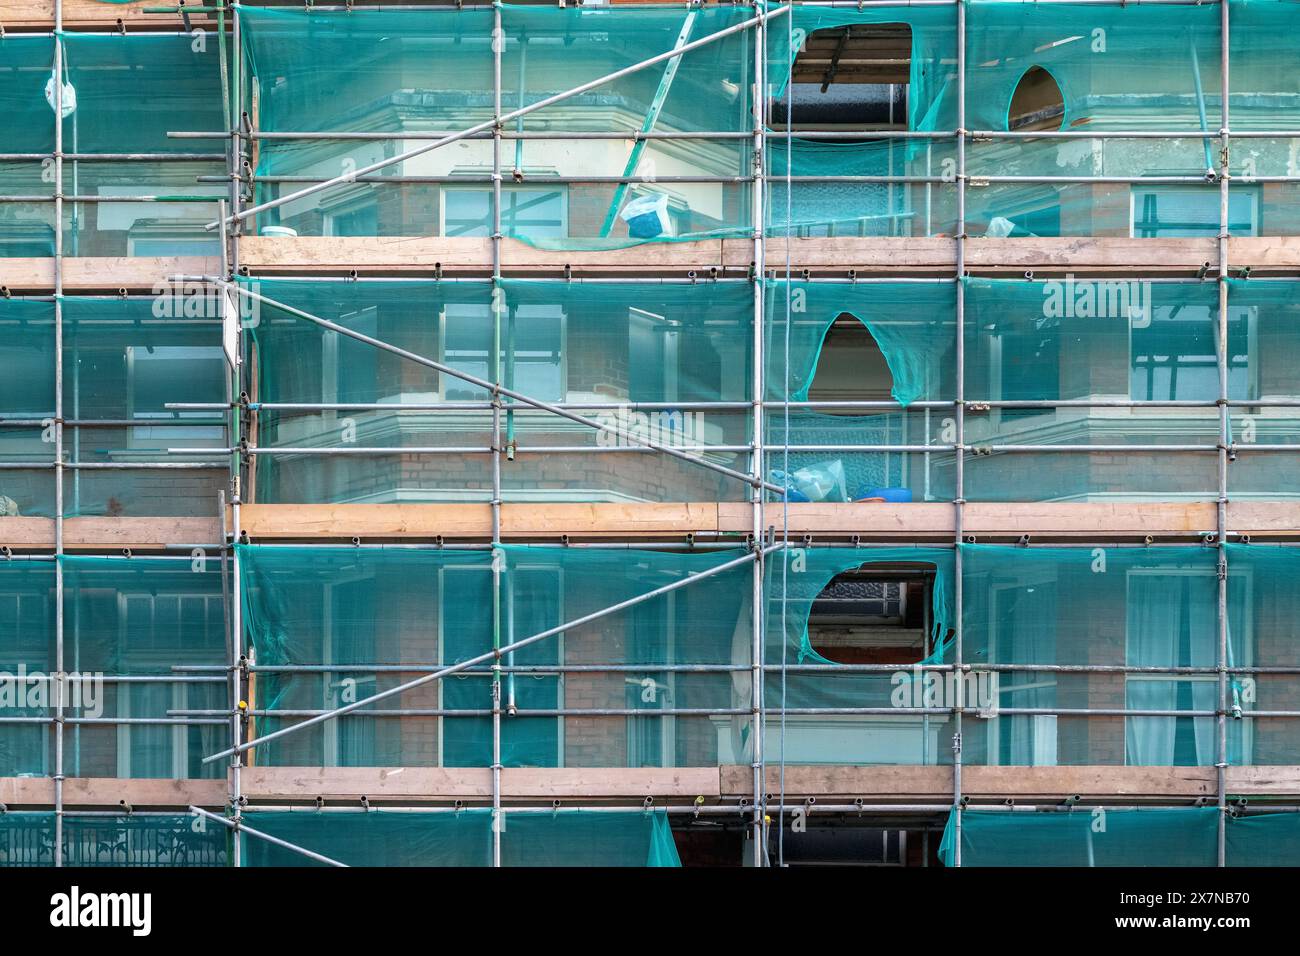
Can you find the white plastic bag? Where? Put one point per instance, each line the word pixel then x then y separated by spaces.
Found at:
pixel 647 217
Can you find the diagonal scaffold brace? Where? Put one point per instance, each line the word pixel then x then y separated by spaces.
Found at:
pixel 497 653
pixel 352 176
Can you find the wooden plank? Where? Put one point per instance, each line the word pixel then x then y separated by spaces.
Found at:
pixel 103 273
pixel 474 520
pixel 882 519
pixel 368 521
pixel 91 14
pixel 139 534
pixel 933 256
pixel 18 792
pixel 867 255
pixel 269 784
pixel 643 521
pixel 934 784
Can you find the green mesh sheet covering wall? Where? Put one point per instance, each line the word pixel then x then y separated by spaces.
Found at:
pixel 432 71
pixel 610 344
pixel 121 95
pixel 463 838
pixel 1121 837
pixel 1086 837
pixel 351 614
pixel 132 617
pixel 146 839
pixel 1117 68
pixel 878 208
pixel 1068 340
pixel 124 360
pixel 351 610
pixel 913 326
pixel 1151 609
pixel 794 581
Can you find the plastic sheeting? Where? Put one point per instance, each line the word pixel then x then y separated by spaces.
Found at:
pixel 464 838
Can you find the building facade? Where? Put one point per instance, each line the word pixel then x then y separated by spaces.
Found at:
pixel 713 434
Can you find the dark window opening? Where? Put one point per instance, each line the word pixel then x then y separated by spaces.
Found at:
pixel 851 77
pixel 1037 103
pixel 874 616
pixel 850 368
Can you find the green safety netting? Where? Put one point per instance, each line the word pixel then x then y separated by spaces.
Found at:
pixel 124 361
pixel 347 611
pixel 1152 608
pixel 1147 836
pixel 144 839
pixel 463 838
pixel 421 71
pixel 1185 836
pixel 866 209
pixel 912 327
pixel 121 95
pixel 132 617
pixel 795 582
pixel 609 344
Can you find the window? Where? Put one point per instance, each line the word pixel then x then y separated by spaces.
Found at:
pixel 154 632
pixel 1037 103
pixel 171 238
pixel 1019 619
pixel 845 79
pixel 1175 211
pixel 1168 625
pixel 875 614
pixel 1175 355
pixel 355 217
pixel 25 620
pixel 850 367
pixel 533 602
pixel 350 741
pixel 850 77
pixel 532 353
pixel 161 374
pixel 537 212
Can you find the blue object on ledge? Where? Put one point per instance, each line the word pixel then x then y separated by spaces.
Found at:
pixel 888 494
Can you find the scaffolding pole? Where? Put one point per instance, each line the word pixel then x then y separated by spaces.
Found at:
pixel 960 413
pixel 1225 438
pixel 758 490
pixel 60 623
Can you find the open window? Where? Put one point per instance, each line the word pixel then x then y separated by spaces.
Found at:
pixel 874 615
pixel 1037 103
pixel 850 367
pixel 852 77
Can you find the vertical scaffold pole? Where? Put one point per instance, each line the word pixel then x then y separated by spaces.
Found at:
pixel 58 431
pixel 758 172
pixel 498 45
pixel 236 435
pixel 959 499
pixel 1225 435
